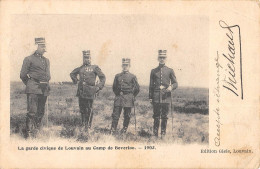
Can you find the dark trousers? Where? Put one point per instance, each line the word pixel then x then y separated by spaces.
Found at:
pixel 85 107
pixel 116 115
pixel 161 111
pixel 35 110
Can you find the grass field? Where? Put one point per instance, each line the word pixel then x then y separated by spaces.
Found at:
pixel 190 116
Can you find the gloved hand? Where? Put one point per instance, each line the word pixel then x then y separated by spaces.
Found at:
pixel 162 87
pixel 151 101
pixel 169 88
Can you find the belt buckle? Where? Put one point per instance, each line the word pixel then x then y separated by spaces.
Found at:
pixel 43 82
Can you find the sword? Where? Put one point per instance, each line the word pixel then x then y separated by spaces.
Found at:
pixel 38 120
pixel 46 105
pixel 90 118
pixel 91 112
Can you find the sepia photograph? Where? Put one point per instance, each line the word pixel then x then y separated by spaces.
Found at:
pixel 93 78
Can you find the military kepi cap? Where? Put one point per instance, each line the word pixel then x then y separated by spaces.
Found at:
pixel 162 53
pixel 126 61
pixel 86 53
pixel 40 41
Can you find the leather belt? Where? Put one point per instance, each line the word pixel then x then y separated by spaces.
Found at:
pixel 38 81
pixel 84 83
pixel 157 90
pixel 126 92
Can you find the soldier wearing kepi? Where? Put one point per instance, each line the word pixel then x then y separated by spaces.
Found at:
pixel 87 88
pixel 35 74
pixel 162 82
pixel 126 88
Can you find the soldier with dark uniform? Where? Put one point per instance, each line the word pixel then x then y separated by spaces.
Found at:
pixel 87 87
pixel 126 88
pixel 162 82
pixel 35 74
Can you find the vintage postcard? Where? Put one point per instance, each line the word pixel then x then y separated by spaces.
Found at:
pixel 130 84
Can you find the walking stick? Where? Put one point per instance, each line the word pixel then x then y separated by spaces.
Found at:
pixel 135 118
pixel 47 107
pixel 171 113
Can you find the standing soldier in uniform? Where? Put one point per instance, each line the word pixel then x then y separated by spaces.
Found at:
pixel 162 82
pixel 126 88
pixel 87 88
pixel 35 74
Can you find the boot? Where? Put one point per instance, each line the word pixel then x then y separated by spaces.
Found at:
pixel 83 120
pixel 86 123
pixel 163 127
pixel 38 123
pixel 124 129
pixel 29 127
pixel 125 124
pixel 29 135
pixel 113 127
pixel 156 127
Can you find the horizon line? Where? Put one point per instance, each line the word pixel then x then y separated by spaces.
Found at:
pixel 112 84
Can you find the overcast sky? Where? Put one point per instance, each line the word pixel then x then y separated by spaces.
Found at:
pixel 111 37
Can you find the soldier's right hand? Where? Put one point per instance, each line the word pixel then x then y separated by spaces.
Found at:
pixel 151 101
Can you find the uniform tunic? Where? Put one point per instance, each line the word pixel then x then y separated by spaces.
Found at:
pixel 161 76
pixel 38 68
pixel 87 78
pixel 126 88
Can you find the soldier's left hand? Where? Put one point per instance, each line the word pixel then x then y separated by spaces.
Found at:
pixel 169 88
pixel 161 87
pixel 97 89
